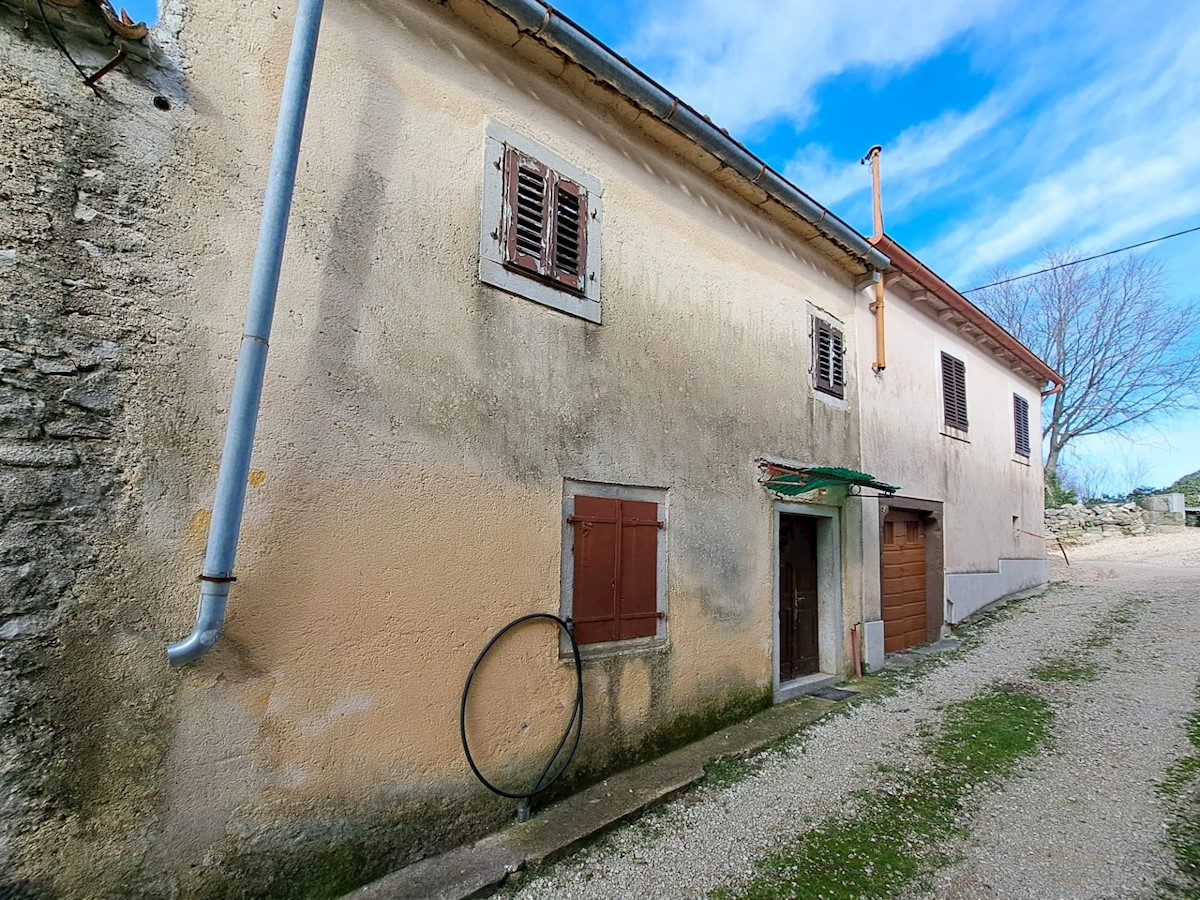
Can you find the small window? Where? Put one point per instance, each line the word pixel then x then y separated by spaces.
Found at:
pixel 1021 426
pixel 829 365
pixel 615 590
pixel 540 234
pixel 545 222
pixel 954 391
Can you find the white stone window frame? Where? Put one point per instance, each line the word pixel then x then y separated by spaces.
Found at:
pixel 492 269
pixel 816 312
pixel 658 495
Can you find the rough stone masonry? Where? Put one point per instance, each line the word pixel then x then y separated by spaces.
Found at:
pixel 1085 524
pixel 81 353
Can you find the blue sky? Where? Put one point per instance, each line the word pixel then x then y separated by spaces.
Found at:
pixel 1008 127
pixel 139 10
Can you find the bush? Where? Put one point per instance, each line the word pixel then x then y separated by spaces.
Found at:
pixel 1056 494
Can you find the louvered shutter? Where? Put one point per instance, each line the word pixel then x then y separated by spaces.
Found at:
pixel 638 594
pixel 954 391
pixel 527 213
pixel 1021 425
pixel 597 523
pixel 545 222
pixel 829 364
pixel 570 234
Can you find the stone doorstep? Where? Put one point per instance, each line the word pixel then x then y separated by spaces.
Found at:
pixel 477 869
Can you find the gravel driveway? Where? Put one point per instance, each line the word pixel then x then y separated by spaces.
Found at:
pixel 1082 820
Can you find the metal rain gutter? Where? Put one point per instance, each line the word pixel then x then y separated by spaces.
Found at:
pixel 551 26
pixel 252 358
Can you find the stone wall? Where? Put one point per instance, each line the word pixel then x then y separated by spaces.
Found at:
pixel 1085 524
pixel 84 351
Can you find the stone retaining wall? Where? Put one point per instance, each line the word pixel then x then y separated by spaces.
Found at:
pixel 1085 524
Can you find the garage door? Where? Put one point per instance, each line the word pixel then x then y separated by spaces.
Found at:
pixel 904 606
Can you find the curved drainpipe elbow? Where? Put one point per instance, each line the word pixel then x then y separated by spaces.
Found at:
pixel 210 619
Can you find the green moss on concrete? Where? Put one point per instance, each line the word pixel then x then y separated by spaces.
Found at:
pixel 328 857
pixel 722 711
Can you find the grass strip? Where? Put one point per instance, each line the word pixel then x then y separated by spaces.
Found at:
pixel 1065 670
pixel 896 830
pixel 1183 833
pixel 1114 623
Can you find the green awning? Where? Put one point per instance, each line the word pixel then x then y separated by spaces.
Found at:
pixel 791 482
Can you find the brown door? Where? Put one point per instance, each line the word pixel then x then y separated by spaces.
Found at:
pixel 798 653
pixel 903 580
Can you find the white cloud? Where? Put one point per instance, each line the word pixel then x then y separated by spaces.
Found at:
pixel 1086 138
pixel 922 158
pixel 1111 160
pixel 748 63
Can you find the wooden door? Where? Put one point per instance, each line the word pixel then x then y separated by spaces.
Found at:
pixel 904 601
pixel 798 652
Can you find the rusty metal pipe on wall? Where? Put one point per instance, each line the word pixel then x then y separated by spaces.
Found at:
pixel 252 358
pixel 877 306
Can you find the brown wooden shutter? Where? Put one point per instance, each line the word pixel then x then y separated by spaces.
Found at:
pixel 570 234
pixel 545 222
pixel 829 367
pixel 639 570
pixel 954 391
pixel 1021 425
pixel 597 551
pixel 616 569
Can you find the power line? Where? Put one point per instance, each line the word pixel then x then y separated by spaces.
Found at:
pixel 1076 262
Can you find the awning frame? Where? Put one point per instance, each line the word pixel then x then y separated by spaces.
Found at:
pixel 791 481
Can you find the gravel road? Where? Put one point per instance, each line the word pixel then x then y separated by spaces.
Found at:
pixel 1081 821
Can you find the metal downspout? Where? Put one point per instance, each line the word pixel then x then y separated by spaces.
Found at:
pixel 252 358
pixel 877 306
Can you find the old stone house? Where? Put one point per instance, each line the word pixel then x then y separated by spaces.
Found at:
pixel 547 340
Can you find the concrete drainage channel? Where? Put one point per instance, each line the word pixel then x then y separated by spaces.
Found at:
pixel 478 869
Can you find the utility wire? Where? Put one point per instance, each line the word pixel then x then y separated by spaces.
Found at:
pixel 1076 262
pixel 67 53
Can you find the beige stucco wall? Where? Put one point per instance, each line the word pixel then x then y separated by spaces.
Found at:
pixel 415 433
pixel 981 483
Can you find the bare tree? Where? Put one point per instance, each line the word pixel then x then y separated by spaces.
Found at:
pixel 1087 478
pixel 1127 352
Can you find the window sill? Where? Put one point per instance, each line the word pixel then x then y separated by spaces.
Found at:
pixel 629 647
pixel 499 276
pixel 1023 460
pixel 957 433
pixel 831 399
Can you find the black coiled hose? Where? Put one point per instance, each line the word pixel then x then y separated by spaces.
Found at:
pixel 574 725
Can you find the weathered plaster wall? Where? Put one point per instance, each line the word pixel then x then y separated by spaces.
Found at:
pixel 992 500
pixel 416 430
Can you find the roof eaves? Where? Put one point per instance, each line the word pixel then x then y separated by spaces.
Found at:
pixel 556 30
pixel 93 20
pixel 904 262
